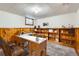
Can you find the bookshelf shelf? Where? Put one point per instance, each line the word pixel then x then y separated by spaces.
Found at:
pixel 67 36
pixel 60 35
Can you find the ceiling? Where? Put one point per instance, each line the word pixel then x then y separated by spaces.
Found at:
pixel 44 9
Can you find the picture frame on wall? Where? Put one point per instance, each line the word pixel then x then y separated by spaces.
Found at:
pixel 45 24
pixel 29 21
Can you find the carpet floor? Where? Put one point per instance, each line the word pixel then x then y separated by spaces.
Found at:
pixel 59 50
pixel 56 50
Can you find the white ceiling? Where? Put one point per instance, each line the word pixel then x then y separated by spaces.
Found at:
pixel 47 9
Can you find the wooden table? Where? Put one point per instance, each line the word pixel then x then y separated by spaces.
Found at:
pixel 36 48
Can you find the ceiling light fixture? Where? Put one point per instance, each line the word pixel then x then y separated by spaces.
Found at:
pixel 36 9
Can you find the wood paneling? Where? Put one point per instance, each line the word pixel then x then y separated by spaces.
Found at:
pixel 77 40
pixel 9 33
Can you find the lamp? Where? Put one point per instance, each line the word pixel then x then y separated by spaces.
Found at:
pixel 36 9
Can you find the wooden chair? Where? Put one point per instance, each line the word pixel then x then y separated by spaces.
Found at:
pixel 5 47
pixel 8 51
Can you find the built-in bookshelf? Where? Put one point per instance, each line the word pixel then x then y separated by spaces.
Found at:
pixel 53 34
pixel 42 32
pixel 67 36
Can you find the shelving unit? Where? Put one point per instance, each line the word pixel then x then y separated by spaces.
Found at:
pixel 54 34
pixel 42 32
pixel 67 36
pixel 64 36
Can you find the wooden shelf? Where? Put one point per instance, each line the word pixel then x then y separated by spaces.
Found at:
pixel 41 32
pixel 63 35
pixel 53 34
pixel 67 36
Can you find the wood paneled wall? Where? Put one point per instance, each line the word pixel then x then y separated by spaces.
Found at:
pixel 77 40
pixel 8 33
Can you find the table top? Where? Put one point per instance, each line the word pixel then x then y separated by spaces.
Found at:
pixel 32 38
